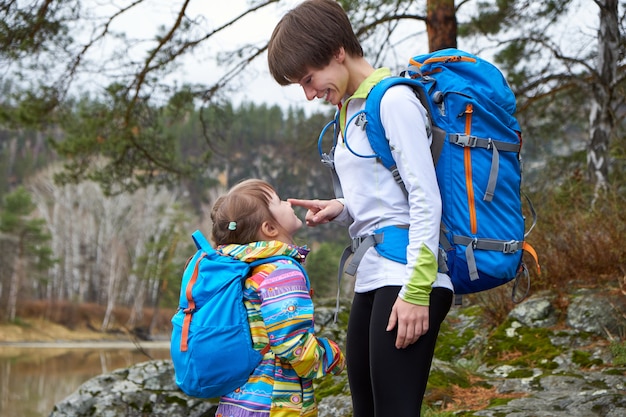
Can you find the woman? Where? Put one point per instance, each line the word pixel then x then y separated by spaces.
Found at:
pixel 397 308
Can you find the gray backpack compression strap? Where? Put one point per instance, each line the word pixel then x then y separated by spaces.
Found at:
pixel 497 146
pixel 444 247
pixel 357 249
pixel 511 246
pixel 360 245
pixel 344 257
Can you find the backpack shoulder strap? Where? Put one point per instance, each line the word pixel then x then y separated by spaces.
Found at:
pixel 201 242
pixel 374 127
pixel 376 132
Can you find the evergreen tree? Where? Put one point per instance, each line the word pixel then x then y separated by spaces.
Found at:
pixel 27 255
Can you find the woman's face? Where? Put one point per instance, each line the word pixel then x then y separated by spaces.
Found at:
pixel 329 83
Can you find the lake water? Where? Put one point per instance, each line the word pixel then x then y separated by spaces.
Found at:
pixel 34 377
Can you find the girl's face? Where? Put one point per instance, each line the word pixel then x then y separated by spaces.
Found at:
pixel 285 216
pixel 329 83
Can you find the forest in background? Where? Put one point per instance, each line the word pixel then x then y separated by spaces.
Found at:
pixel 100 192
pixel 81 246
pixel 76 244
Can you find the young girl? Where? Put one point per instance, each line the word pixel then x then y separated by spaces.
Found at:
pixel 251 222
pixel 397 308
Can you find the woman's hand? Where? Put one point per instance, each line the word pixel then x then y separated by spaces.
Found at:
pixel 318 211
pixel 411 320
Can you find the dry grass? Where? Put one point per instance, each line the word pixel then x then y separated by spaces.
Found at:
pixel 89 317
pixel 578 247
pixel 476 397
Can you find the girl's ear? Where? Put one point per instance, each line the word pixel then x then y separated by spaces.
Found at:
pixel 268 231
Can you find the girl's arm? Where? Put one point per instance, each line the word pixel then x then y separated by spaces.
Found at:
pixel 287 311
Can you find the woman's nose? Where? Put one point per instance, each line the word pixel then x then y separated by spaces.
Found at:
pixel 309 92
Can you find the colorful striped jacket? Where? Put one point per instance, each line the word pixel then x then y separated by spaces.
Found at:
pixel 280 312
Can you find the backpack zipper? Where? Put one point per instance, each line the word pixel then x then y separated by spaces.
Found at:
pixel 469 109
pixel 191 304
pixel 441 59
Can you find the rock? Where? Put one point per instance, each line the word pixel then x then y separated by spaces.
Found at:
pixel 537 311
pixel 335 406
pixel 145 389
pixel 577 380
pixel 563 395
pixel 598 312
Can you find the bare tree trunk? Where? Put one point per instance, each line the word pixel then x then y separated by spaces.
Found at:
pixel 601 120
pixel 441 24
pixel 16 278
pixel 136 313
pixel 111 289
pixel 57 244
pixel 155 315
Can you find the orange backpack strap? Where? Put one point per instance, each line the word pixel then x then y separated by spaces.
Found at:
pixel 191 305
pixel 528 248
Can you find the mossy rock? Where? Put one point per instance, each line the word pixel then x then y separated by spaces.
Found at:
pixel 517 345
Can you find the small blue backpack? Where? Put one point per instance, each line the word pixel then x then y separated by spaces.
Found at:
pixel 211 343
pixel 476 143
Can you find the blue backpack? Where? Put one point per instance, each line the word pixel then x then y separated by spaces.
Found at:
pixel 211 344
pixel 476 143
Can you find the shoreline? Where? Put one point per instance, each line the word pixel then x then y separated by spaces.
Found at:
pixel 88 344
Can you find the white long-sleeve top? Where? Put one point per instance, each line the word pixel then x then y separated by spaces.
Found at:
pixel 372 198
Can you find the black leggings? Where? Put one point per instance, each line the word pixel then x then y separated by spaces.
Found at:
pixel 385 381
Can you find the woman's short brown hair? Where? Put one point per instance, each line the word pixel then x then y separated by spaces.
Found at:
pixel 238 215
pixel 308 37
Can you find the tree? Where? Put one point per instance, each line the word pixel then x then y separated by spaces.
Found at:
pixel 522 35
pixel 112 250
pixel 602 117
pixel 441 24
pixel 28 254
pixel 544 70
pixel 137 93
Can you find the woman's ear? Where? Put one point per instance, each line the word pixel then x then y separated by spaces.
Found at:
pixel 340 55
pixel 268 231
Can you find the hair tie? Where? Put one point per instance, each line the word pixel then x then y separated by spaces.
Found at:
pixel 232 226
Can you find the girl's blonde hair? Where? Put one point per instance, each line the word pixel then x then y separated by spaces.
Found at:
pixel 238 215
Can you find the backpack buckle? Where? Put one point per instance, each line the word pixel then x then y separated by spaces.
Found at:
pixel 361 121
pixel 465 140
pixel 510 246
pixel 327 160
pixel 356 242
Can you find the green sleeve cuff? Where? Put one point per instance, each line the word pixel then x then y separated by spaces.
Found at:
pixel 417 290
